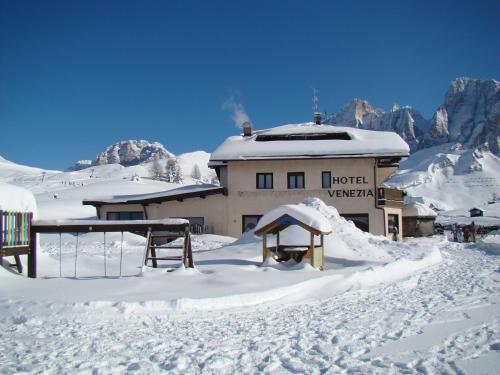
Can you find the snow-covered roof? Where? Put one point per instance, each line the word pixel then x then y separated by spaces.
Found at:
pixel 476 209
pixel 309 140
pixel 189 191
pixel 304 214
pixel 416 209
pixel 70 222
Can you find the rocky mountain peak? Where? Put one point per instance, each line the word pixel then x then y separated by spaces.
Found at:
pixel 361 114
pixel 470 115
pixel 126 153
pixel 132 152
pixel 353 113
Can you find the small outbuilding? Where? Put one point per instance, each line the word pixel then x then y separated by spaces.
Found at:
pixel 418 220
pixel 305 240
pixel 475 212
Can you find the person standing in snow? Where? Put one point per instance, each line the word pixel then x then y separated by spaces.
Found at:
pixel 454 231
pixel 466 233
pixel 395 233
pixel 473 231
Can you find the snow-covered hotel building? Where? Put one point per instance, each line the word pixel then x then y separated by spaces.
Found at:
pixel 260 170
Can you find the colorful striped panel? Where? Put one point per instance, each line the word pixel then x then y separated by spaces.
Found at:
pixel 2 228
pixel 15 228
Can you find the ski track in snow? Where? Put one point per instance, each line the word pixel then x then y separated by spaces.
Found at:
pixel 444 320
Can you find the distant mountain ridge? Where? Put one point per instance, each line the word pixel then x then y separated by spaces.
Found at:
pixel 127 153
pixel 470 115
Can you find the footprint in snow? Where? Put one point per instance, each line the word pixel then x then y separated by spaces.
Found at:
pixel 18 320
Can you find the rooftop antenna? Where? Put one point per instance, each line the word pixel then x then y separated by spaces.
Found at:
pixel 315 100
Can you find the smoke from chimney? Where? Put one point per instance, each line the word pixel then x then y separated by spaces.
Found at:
pixel 238 113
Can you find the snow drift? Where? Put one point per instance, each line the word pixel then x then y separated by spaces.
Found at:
pixel 15 198
pixel 228 276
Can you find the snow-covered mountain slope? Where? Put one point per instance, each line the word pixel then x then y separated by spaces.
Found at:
pixel 470 115
pixel 60 194
pixel 450 177
pixel 188 163
pixel 11 172
pixel 41 180
pixel 66 203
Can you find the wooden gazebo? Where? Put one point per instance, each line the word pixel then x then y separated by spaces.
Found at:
pixel 283 217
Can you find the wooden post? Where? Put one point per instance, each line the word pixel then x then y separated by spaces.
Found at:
pixel 188 249
pixel 264 247
pixel 32 252
pixel 187 255
pixel 185 248
pixel 1 237
pixel 152 249
pixel 146 251
pixel 19 264
pixel 312 249
pixel 322 252
pixel 277 241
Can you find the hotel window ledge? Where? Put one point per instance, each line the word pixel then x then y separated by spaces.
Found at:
pixel 283 193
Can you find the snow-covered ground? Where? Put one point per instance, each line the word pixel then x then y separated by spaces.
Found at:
pixel 425 306
pixel 233 272
pixel 445 319
pixel 379 307
pixel 491 216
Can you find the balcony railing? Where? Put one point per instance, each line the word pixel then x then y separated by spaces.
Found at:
pixel 388 196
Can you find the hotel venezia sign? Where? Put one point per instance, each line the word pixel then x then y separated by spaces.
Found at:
pixel 340 189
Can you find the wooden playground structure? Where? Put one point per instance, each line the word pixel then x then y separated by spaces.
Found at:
pixel 18 233
pixel 16 239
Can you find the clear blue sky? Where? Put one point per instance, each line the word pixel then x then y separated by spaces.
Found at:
pixel 76 76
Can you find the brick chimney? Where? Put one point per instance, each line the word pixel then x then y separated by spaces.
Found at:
pixel 317 118
pixel 247 129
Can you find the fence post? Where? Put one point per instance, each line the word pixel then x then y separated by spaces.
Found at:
pixel 32 253
pixel 187 258
pixel 1 236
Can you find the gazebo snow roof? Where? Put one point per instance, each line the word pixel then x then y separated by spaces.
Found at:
pixel 293 214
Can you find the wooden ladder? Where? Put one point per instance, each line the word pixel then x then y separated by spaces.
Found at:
pixel 18 264
pixel 187 252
